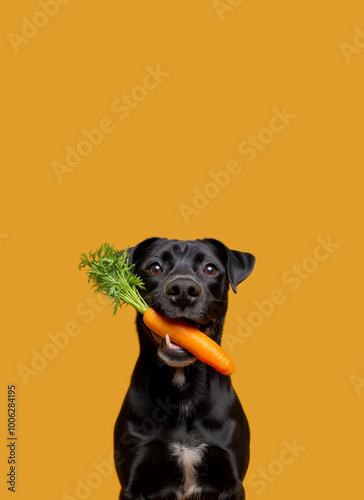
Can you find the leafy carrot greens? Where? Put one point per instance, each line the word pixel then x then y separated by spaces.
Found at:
pixel 110 274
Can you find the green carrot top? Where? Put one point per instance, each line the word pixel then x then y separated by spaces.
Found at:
pixel 110 272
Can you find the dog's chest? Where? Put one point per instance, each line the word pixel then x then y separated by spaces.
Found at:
pixel 188 458
pixel 186 448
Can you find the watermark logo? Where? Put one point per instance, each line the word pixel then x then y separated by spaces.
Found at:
pixel 349 49
pixel 121 107
pixel 293 278
pixel 100 471
pixel 358 384
pixel 30 26
pixel 254 144
pixel 223 7
pixel 75 155
pixel 201 197
pixel 249 148
pixel 58 342
pixel 269 474
pixel 85 486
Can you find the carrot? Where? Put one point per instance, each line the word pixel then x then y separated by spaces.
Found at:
pixel 191 339
pixel 110 272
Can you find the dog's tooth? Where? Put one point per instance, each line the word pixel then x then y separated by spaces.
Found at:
pixel 168 340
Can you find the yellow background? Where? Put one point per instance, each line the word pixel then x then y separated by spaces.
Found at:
pixel 226 75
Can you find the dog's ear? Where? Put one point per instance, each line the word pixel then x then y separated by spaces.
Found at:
pixel 137 253
pixel 238 264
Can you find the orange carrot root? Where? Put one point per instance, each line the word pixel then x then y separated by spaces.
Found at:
pixel 191 339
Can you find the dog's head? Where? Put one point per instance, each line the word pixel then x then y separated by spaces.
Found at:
pixel 187 280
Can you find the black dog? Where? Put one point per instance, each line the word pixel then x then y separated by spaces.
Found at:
pixel 181 432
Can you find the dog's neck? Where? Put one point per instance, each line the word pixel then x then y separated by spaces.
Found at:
pixel 189 391
pixel 179 378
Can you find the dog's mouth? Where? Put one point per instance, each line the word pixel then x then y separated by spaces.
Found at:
pixel 205 327
pixel 173 354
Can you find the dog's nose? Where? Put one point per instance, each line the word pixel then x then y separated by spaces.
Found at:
pixel 183 292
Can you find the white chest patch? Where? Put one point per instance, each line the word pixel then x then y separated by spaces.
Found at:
pixel 189 458
pixel 179 378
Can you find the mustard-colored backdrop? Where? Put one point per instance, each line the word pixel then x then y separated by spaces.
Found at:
pixel 238 120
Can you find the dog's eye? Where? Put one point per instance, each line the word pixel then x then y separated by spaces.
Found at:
pixel 210 269
pixel 155 269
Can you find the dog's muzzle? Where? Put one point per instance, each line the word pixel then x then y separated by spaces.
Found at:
pixel 183 291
